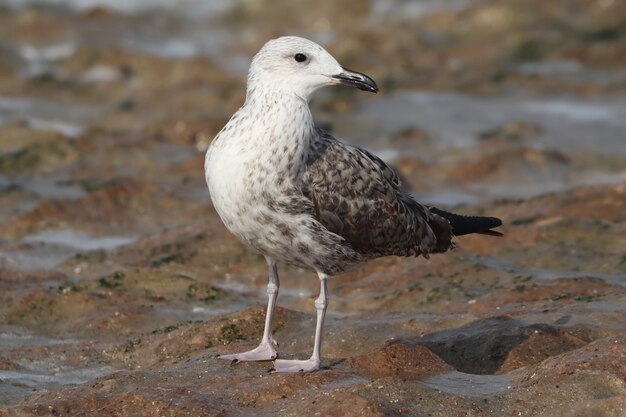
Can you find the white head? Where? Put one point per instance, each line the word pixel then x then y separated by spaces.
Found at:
pixel 299 66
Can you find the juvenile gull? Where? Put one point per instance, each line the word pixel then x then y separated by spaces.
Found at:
pixel 297 195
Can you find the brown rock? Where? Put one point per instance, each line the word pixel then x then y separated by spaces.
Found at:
pixel 501 344
pixel 116 404
pixel 337 403
pixel 7 365
pixel 602 202
pixel 401 360
pixel 607 355
pixel 541 343
pixel 511 161
pixel 607 407
pixel 565 290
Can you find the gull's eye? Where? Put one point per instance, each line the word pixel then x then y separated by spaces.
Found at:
pixel 299 57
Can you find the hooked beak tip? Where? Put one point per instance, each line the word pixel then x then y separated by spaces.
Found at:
pixel 356 79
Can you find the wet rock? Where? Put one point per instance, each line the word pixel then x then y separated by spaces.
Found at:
pixel 40 157
pixel 581 223
pixel 564 290
pixel 512 161
pixel 328 14
pixel 541 343
pixel 336 404
pixel 51 312
pixel 500 344
pixel 571 394
pixel 400 360
pixel 514 131
pixel 606 356
pixel 178 342
pixel 125 403
pixel 18 136
pixel 601 202
pixel 410 134
pixel 129 202
pixel 7 365
pixel 10 59
pixel 610 407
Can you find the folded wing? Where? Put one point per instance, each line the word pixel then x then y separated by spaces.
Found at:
pixel 359 197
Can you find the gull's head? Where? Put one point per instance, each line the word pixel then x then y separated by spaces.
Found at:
pixel 299 66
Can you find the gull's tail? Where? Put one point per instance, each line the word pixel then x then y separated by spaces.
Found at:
pixel 464 225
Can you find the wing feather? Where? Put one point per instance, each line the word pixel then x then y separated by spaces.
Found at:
pixel 359 197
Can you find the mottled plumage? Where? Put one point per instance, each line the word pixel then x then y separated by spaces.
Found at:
pixel 357 196
pixel 298 195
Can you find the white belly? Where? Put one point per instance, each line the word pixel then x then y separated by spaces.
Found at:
pixel 227 175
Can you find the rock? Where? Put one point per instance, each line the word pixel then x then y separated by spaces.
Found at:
pixel 609 407
pixel 400 360
pixel 500 345
pixel 605 355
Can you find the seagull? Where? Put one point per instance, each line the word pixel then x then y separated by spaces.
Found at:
pixel 297 195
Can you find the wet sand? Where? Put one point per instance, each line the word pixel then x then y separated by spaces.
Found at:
pixel 119 284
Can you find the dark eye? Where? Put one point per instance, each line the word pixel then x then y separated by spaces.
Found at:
pixel 299 57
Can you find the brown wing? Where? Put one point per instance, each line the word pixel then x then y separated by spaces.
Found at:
pixel 357 196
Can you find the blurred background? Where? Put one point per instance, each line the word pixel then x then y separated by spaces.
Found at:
pixel 109 244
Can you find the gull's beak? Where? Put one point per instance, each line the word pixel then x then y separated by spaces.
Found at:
pixel 356 79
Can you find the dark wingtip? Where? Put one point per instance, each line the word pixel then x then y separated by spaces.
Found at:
pixel 490 233
pixel 464 225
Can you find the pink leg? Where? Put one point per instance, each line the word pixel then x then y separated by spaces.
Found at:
pixel 266 351
pixel 313 363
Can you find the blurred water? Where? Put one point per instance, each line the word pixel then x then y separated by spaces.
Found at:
pixel 30 377
pixel 12 336
pixel 190 8
pixel 543 273
pixel 166 29
pixel 47 249
pixel 456 120
pixel 42 114
pixel 78 240
pixel 410 9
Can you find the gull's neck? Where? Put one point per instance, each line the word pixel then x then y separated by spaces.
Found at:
pixel 284 126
